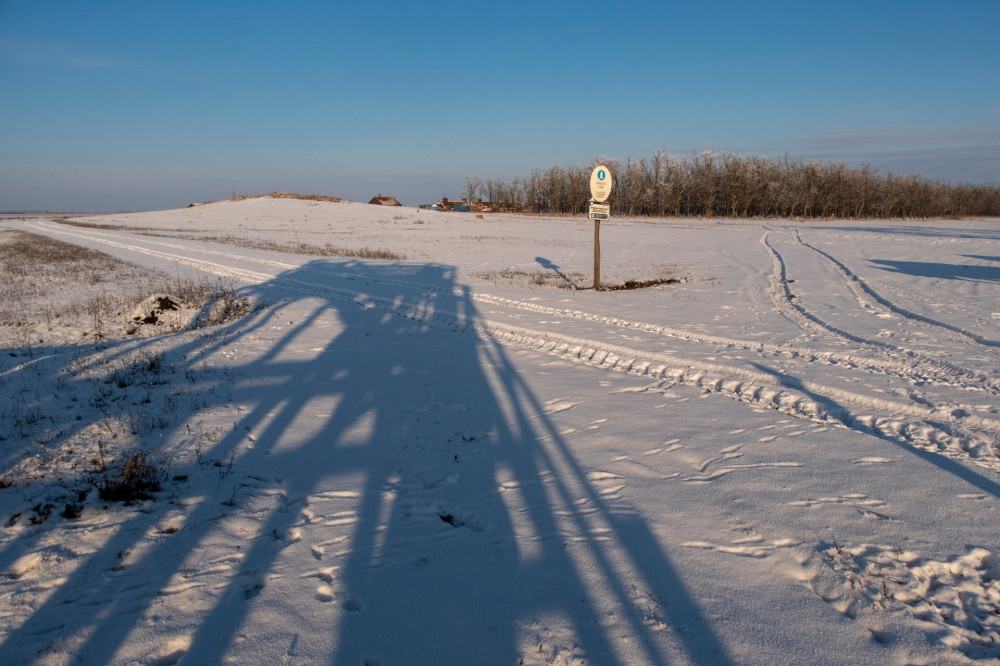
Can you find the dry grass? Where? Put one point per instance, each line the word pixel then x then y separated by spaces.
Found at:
pixel 312 249
pixel 131 478
pixel 72 420
pixel 539 278
pixel 640 284
pixel 325 250
pixel 559 280
pixel 286 195
pixel 72 222
pixel 22 254
pixel 42 279
pixel 48 287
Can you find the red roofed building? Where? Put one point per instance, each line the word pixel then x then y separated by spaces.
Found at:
pixel 385 201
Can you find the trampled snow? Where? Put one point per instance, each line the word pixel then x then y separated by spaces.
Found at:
pixel 788 452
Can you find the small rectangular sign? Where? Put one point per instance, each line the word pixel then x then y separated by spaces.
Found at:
pixel 600 211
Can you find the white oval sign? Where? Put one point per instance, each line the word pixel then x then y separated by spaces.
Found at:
pixel 600 183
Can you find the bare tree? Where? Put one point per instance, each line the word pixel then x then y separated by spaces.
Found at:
pixel 734 185
pixel 472 187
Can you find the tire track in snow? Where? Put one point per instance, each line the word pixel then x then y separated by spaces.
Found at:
pixel 252 277
pixel 206 266
pixel 946 431
pixel 949 432
pixel 915 365
pixel 870 299
pixel 784 302
pixel 925 370
pixel 922 426
pixel 957 377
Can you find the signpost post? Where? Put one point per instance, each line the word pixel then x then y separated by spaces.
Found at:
pixel 600 190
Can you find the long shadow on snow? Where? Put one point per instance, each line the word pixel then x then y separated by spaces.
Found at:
pixel 948 465
pixel 89 585
pixel 942 231
pixel 475 528
pixel 968 272
pixel 25 376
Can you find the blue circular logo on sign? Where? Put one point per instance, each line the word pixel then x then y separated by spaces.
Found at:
pixel 601 174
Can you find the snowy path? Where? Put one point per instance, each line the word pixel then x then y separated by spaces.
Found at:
pixel 942 421
pixel 398 463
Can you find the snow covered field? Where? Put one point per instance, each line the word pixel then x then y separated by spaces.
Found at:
pixel 789 454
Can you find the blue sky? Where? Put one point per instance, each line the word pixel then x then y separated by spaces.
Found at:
pixel 136 105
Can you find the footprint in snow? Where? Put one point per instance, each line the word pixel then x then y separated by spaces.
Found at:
pixel 857 500
pixel 871 460
pixel 755 546
pixel 460 519
pixel 251 591
pixel 555 406
pixel 608 483
pixel 172 652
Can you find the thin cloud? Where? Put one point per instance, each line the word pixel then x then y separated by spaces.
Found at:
pixel 973 164
pixel 848 137
pixel 969 154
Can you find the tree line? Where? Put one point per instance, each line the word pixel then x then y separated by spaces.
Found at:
pixel 729 185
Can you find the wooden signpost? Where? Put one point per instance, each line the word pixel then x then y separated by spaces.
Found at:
pixel 600 190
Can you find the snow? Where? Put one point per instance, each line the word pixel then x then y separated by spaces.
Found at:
pixel 790 455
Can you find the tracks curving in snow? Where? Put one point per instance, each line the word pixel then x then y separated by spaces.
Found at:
pixel 927 422
pixel 887 357
pixel 871 300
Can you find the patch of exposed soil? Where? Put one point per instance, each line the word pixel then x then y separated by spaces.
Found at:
pixel 642 284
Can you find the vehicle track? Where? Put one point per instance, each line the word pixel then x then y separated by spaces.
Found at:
pixel 912 364
pixel 886 359
pixel 870 299
pixel 950 431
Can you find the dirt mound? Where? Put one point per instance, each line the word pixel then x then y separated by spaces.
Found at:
pixel 161 311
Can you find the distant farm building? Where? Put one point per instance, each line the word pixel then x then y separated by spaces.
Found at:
pixel 384 201
pixel 460 206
